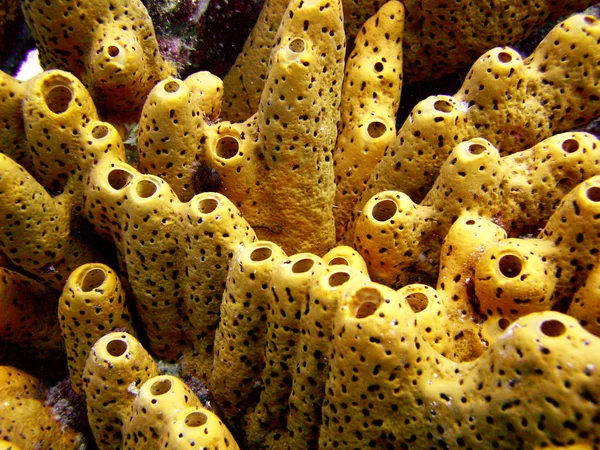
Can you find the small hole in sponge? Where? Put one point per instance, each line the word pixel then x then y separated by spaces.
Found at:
pixel 116 347
pixel 338 278
pixel 590 20
pixel 566 184
pixel 365 302
pixel 260 254
pixel 113 51
pixel 195 419
pixel 303 265
pixel 570 145
pixel 118 179
pixel 503 323
pixel 339 261
pixel 376 129
pixel 227 147
pixel 504 57
pixel 593 193
pixel 476 149
pixel 93 279
pixel 171 87
pixel 297 45
pixel 207 205
pixel 57 99
pixel 378 67
pixel 443 106
pixel 384 210
pixel 146 188
pixel 417 301
pixel 510 266
pixel 99 131
pixel 160 387
pixel 553 328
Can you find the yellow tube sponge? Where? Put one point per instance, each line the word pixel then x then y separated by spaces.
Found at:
pixel 197 426
pixel 290 283
pixel 345 256
pixel 568 447
pixel 241 335
pixel 536 385
pixel 154 409
pixel 152 231
pixel 16 383
pixel 175 254
pixel 30 424
pixel 105 188
pixel 171 126
pixel 244 82
pixel 99 141
pixel 574 230
pixel 28 312
pixel 36 228
pixel 298 131
pixel 313 351
pixel 58 137
pixel 277 167
pixel 585 305
pixel 131 407
pixel 433 318
pixel 92 304
pixel 518 276
pixel 495 103
pixel 115 369
pixel 370 98
pixel 12 128
pixel 214 229
pixel 110 45
pixel 167 414
pixel 56 108
pixel 440 37
pixel 467 240
pixel 446 36
pixel 538 178
pixel 513 278
pixel 25 421
pixel 401 241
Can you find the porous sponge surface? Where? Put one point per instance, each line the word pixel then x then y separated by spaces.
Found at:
pixel 302 350
pixel 497 102
pixel 110 45
pixel 25 420
pixel 394 390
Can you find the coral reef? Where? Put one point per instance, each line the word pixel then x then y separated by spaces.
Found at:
pixel 193 270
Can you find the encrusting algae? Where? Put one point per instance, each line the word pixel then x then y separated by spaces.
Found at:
pixel 303 276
